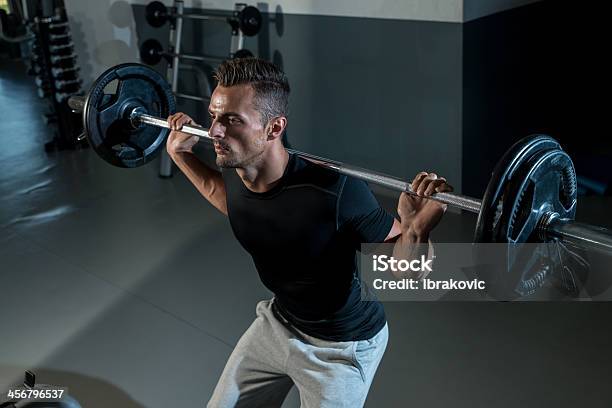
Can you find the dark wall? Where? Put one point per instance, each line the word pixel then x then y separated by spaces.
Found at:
pixel 541 68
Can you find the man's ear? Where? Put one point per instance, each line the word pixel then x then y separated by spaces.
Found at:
pixel 276 127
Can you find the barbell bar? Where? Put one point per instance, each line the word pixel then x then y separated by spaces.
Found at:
pixel 248 20
pixel 151 53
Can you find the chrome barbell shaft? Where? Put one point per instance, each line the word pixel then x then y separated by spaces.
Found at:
pixel 163 123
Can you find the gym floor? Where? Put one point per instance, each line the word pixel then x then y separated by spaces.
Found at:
pixel 132 291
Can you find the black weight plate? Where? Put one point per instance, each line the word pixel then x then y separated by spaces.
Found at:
pixel 250 21
pixel 546 182
pixel 151 51
pixel 503 172
pixel 156 13
pixel 106 115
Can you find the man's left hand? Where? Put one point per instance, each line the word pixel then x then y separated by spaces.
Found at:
pixel 420 215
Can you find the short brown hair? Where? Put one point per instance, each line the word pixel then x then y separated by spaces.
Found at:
pixel 269 82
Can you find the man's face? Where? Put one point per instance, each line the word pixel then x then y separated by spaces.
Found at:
pixel 239 136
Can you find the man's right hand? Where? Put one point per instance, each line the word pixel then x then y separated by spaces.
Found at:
pixel 180 142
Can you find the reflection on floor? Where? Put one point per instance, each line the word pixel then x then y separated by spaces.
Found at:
pixel 131 291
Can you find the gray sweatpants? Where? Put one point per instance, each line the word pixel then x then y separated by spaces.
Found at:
pixel 272 356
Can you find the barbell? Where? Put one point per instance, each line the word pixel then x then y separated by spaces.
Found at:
pixel 248 19
pixel 152 52
pixel 531 196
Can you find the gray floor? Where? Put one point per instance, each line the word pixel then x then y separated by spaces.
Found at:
pixel 131 291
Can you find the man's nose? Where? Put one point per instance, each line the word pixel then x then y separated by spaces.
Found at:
pixel 216 130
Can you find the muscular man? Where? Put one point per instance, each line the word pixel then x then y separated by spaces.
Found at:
pixel 302 225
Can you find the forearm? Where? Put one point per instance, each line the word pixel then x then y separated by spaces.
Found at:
pixel 208 181
pixel 412 245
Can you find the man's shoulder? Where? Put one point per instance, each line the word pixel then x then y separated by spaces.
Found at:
pixel 307 173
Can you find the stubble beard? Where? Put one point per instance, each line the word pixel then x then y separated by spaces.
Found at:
pixel 230 160
pixel 227 162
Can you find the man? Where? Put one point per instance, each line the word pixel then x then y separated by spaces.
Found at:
pixel 302 225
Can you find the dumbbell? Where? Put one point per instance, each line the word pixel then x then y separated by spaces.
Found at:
pixel 58 59
pixel 37 59
pixel 59 84
pixel 43 92
pixel 72 89
pixel 59 31
pixel 248 20
pixel 59 39
pixel 60 73
pixel 44 87
pixel 67 76
pixel 41 81
pixel 59 28
pixel 59 25
pixel 34 69
pixel 59 49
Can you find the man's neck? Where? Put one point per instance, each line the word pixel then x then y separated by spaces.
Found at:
pixel 267 172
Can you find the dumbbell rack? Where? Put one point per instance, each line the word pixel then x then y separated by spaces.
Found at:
pixel 54 65
pixel 173 67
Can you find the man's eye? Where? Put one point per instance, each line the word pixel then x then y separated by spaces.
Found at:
pixel 234 121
